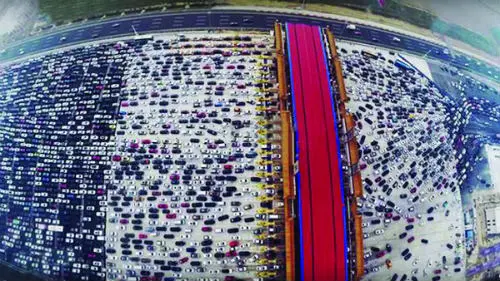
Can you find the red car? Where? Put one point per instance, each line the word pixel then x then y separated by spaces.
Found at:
pixel 411 239
pixel 206 229
pixel 380 254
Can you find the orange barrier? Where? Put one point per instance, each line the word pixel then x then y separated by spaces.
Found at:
pixel 282 82
pixel 360 262
pixel 287 158
pixel 357 185
pixel 288 193
pixel 280 59
pixel 278 38
pixel 338 67
pixel 353 152
pixel 353 144
pixel 349 121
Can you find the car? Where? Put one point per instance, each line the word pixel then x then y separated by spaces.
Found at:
pixel 388 247
pixel 380 254
pixel 350 27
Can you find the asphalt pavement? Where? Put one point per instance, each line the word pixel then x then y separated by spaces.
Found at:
pixel 234 19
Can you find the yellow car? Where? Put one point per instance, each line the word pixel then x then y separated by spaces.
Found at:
pixel 265 186
pixel 264 162
pixel 266 274
pixel 266 261
pixel 262 141
pixel 262 122
pixel 261 99
pixel 266 223
pixel 264 152
pixel 262 261
pixel 263 211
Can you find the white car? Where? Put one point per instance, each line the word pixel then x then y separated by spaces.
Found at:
pixel 379 231
pixel 396 39
pixel 351 27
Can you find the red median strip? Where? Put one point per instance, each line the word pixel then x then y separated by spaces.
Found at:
pixel 335 167
pixel 321 205
pixel 306 226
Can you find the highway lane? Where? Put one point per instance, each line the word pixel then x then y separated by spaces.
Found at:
pixel 234 19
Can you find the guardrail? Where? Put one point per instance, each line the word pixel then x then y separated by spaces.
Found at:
pixel 352 171
pixel 286 157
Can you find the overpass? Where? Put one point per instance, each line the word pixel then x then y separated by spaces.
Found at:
pixel 323 247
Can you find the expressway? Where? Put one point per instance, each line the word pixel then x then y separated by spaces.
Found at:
pixel 234 19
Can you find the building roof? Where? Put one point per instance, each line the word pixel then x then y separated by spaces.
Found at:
pixel 492 220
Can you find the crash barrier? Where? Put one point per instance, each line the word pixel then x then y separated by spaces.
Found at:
pixel 286 157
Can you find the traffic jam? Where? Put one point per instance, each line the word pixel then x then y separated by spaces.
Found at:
pixel 196 171
pixel 412 229
pixel 145 159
